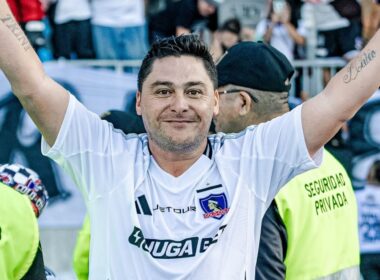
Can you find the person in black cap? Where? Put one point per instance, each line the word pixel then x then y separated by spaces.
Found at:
pixel 226 37
pixel 185 16
pixel 243 67
pixel 254 80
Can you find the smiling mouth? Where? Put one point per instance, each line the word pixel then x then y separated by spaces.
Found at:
pixel 179 124
pixel 178 121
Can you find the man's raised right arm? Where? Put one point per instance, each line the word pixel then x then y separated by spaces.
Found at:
pixel 44 99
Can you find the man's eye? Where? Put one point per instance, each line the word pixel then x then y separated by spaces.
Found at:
pixel 163 92
pixel 194 92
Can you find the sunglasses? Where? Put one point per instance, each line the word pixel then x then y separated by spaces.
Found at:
pixel 239 90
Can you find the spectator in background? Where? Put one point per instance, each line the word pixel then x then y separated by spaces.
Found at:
pixel 253 87
pixel 278 31
pixel 22 199
pixel 226 37
pixel 182 17
pixel 369 224
pixel 30 15
pixel 119 29
pixel 283 30
pixel 72 29
pixel 337 27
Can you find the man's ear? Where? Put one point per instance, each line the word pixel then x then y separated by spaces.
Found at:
pixel 138 103
pixel 245 103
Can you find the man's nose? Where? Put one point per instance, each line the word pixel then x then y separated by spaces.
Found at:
pixel 179 103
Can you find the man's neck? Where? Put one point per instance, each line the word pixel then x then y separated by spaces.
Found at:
pixel 176 163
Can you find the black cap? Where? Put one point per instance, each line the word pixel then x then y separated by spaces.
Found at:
pixel 232 25
pixel 255 65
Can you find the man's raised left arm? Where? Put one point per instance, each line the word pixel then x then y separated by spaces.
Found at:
pixel 348 90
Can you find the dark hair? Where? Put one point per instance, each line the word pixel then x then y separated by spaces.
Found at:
pixel 176 46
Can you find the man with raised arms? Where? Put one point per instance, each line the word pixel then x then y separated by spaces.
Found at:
pixel 176 164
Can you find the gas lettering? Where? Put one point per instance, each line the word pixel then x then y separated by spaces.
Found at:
pixel 164 249
pixel 173 249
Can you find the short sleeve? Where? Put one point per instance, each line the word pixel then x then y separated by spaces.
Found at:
pixel 267 156
pixel 282 141
pixel 79 132
pixel 89 150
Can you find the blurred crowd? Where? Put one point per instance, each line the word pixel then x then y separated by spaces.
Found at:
pixel 124 30
pixel 116 29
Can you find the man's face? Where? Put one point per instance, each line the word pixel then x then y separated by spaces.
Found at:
pixel 228 119
pixel 228 39
pixel 177 103
pixel 205 9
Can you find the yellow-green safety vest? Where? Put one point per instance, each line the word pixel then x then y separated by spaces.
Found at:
pixel 19 235
pixel 82 251
pixel 319 211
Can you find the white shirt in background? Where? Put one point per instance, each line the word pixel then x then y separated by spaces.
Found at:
pixel 280 39
pixel 68 10
pixel 118 13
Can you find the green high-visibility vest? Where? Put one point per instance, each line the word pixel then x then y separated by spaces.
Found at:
pixel 320 215
pixel 82 251
pixel 19 236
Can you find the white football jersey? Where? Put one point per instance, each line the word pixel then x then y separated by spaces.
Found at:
pixel 147 224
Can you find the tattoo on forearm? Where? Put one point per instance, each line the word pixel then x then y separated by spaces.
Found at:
pixel 357 65
pixel 16 31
